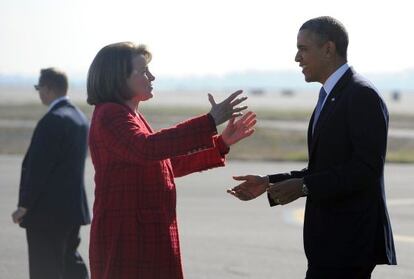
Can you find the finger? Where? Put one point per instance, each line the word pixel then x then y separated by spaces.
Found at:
pixel 247 125
pixel 233 96
pixel 239 195
pixel 239 109
pixel 236 114
pixel 244 118
pixel 238 101
pixel 251 124
pixel 211 100
pixel 250 116
pixel 241 177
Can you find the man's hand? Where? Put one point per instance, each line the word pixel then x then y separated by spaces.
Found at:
pixel 227 109
pixel 286 191
pixel 252 187
pixel 239 129
pixel 17 215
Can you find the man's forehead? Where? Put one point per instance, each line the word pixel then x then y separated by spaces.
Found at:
pixel 306 36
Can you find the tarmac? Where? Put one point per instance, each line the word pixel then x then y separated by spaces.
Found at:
pixel 221 237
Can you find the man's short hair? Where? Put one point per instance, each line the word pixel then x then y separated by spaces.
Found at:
pixel 54 79
pixel 109 71
pixel 326 29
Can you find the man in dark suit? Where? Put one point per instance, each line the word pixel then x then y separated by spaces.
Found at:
pixel 346 229
pixel 52 200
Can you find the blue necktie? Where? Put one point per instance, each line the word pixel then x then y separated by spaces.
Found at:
pixel 319 105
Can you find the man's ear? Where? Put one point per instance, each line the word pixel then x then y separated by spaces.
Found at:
pixel 330 49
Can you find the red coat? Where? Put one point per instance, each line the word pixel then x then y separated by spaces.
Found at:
pixel 134 229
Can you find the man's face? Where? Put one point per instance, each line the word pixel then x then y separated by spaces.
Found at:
pixel 45 94
pixel 312 57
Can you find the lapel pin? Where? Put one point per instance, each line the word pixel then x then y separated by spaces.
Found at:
pixel 333 100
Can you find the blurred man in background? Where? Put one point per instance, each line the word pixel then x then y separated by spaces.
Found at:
pixel 52 200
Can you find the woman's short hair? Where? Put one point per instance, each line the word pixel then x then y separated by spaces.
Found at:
pixel 109 71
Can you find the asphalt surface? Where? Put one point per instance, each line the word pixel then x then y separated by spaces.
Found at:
pixel 221 237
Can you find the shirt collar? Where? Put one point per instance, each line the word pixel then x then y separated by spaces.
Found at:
pixel 333 79
pixel 55 101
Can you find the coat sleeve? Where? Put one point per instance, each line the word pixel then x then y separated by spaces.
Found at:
pixel 368 126
pixel 122 134
pixel 45 153
pixel 201 160
pixel 275 178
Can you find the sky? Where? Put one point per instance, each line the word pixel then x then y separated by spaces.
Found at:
pixel 196 38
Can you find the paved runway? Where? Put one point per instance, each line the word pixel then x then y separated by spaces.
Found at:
pixel 221 237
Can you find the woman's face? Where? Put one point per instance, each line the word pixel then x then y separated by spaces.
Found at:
pixel 139 82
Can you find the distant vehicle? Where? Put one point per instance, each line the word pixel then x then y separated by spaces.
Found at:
pixel 396 95
pixel 257 91
pixel 287 92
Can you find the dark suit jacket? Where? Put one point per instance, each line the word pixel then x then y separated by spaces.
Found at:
pixel 346 219
pixel 52 179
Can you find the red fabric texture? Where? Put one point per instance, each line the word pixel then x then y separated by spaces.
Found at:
pixel 134 229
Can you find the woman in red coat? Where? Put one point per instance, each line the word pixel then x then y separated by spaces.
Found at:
pixel 134 228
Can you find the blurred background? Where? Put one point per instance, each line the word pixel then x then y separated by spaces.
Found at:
pixel 216 47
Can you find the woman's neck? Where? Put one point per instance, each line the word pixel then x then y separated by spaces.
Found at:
pixel 133 105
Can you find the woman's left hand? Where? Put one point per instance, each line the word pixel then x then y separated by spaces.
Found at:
pixel 239 129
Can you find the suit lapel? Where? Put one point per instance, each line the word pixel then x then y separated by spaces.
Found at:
pixel 327 110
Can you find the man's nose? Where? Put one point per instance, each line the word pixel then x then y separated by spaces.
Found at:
pixel 297 57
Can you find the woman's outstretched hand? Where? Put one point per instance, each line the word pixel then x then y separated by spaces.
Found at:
pixel 239 129
pixel 227 109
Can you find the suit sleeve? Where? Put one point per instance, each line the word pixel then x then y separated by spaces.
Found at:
pixel 45 153
pixel 202 160
pixel 275 178
pixel 368 126
pixel 122 134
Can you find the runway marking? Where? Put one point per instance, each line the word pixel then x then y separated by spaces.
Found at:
pixel 398 202
pixel 403 238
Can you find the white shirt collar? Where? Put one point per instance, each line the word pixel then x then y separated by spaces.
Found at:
pixel 55 101
pixel 333 79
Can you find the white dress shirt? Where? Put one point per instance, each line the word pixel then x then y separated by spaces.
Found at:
pixel 333 80
pixel 55 101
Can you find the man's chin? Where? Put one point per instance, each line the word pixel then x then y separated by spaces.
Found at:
pixel 309 79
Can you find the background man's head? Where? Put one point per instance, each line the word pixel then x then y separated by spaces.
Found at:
pixel 322 47
pixel 52 84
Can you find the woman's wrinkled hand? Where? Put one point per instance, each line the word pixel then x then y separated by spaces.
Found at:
pixel 227 109
pixel 238 129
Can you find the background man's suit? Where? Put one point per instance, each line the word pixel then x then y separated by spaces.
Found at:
pixel 52 189
pixel 346 219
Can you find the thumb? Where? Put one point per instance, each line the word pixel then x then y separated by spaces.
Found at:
pixel 211 99
pixel 241 177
